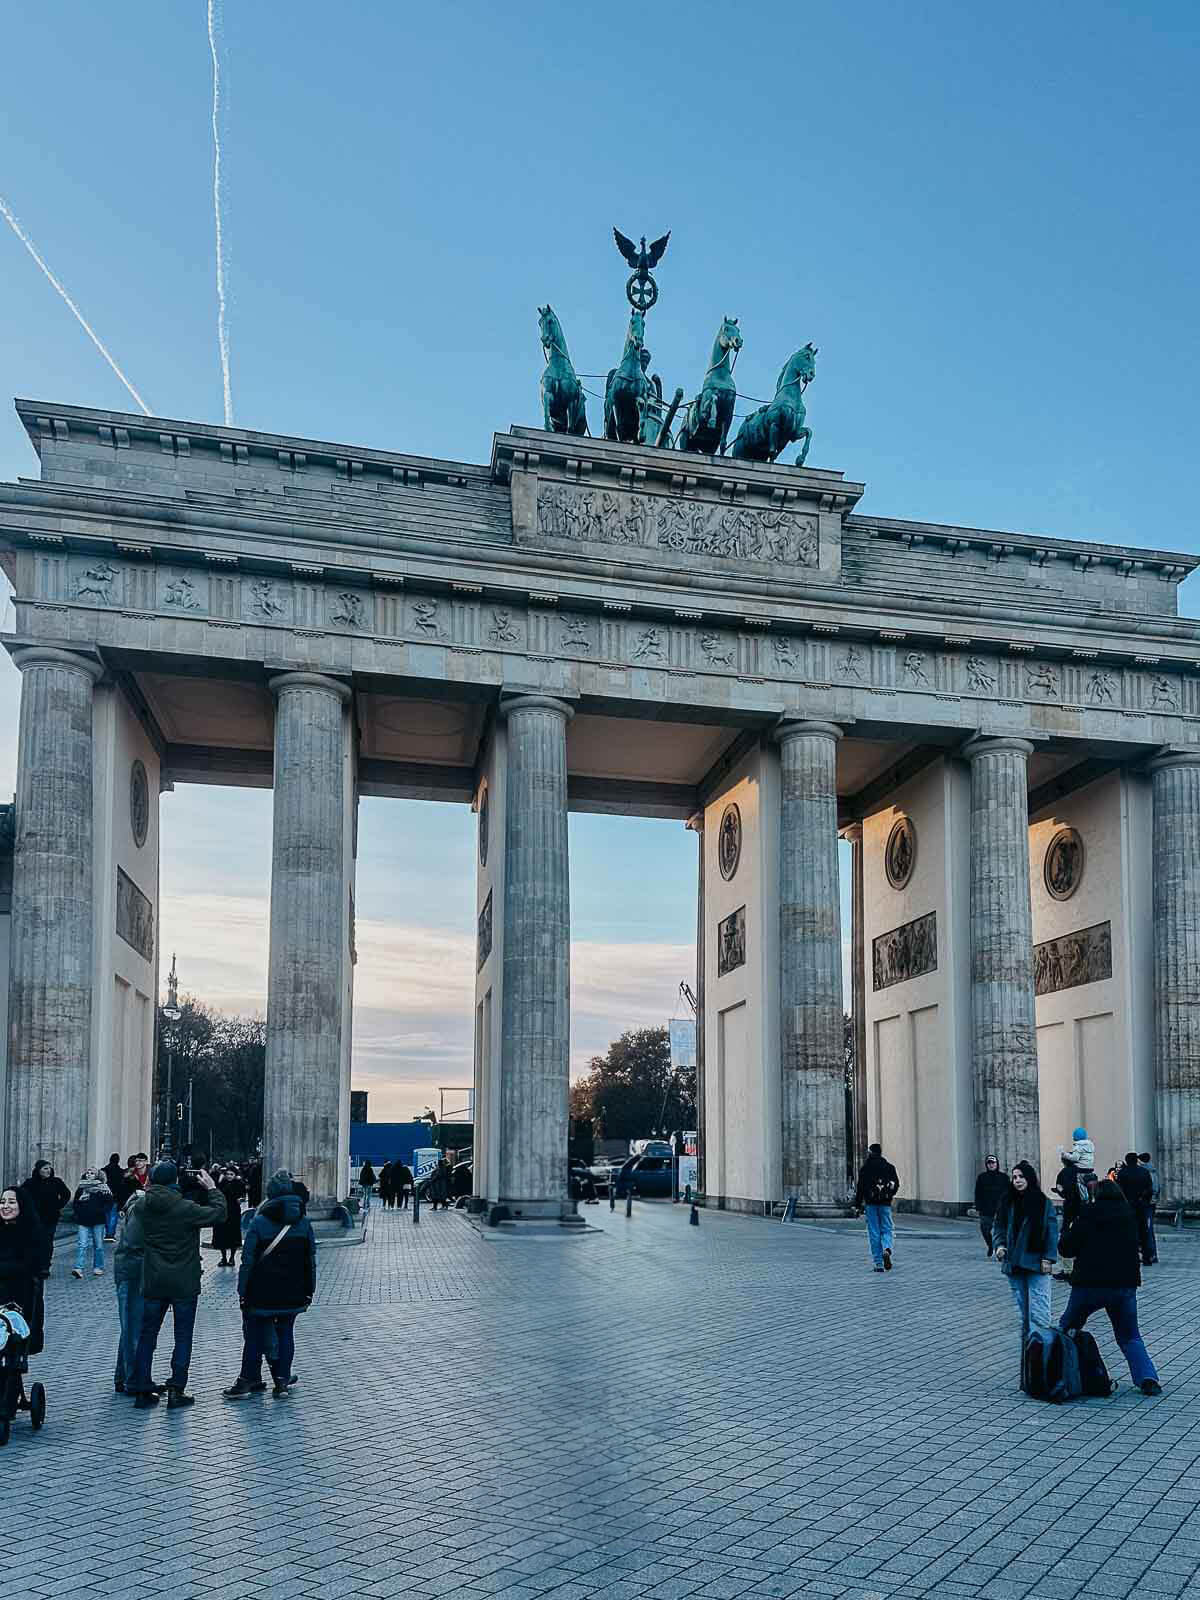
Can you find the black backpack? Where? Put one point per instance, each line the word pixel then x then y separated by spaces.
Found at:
pixel 1093 1374
pixel 1050 1366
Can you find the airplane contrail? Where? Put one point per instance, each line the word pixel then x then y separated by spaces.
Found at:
pixel 214 24
pixel 79 316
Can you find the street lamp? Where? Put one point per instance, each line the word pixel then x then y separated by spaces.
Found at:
pixel 171 1013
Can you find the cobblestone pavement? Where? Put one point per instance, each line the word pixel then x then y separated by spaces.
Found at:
pixel 650 1409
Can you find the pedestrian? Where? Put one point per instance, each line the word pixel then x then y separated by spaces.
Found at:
pixel 171 1271
pixel 46 1195
pixel 22 1252
pixel 402 1182
pixel 127 1281
pixel 439 1185
pixel 1025 1235
pixel 1136 1184
pixel 138 1170
pixel 114 1177
pixel 1104 1242
pixel 387 1194
pixel 878 1182
pixel 366 1182
pixel 254 1183
pixel 276 1283
pixel 90 1206
pixel 1079 1162
pixel 1145 1159
pixel 227 1235
pixel 990 1188
pixel 462 1182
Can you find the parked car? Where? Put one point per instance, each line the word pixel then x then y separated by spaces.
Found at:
pixel 648 1176
pixel 580 1183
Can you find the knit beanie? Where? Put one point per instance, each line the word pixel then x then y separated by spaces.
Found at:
pixel 1080 1133
pixel 164 1172
pixel 280 1183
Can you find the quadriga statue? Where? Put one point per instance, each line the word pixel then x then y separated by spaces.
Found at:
pixel 706 419
pixel 563 405
pixel 767 432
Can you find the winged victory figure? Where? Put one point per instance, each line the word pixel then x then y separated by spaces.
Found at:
pixel 641 259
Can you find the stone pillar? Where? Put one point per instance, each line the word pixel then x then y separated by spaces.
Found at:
pixel 813 1103
pixel 696 825
pixel 50 964
pixel 302 1098
pixel 858 995
pixel 1003 1017
pixel 1176 787
pixel 536 1003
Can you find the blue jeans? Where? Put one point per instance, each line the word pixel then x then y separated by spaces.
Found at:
pixel 880 1231
pixel 1031 1291
pixel 1121 1305
pixel 259 1335
pixel 90 1237
pixel 110 1226
pixel 153 1313
pixel 129 1310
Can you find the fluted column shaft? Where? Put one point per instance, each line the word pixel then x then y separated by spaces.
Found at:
pixel 50 962
pixel 302 1090
pixel 1003 1017
pixel 812 1063
pixel 535 1017
pixel 1176 789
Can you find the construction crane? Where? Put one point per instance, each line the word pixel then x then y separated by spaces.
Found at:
pixel 688 994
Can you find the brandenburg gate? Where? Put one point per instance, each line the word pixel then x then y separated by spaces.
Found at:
pixel 1005 725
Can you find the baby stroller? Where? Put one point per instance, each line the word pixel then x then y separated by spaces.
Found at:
pixel 14 1364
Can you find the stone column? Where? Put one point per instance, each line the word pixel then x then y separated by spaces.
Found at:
pixel 813 1101
pixel 536 1001
pixel 1003 1017
pixel 50 963
pixel 696 825
pixel 1176 787
pixel 858 993
pixel 308 934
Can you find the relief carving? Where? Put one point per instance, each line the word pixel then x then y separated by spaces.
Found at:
pixel 1101 688
pixel 1162 693
pixel 684 527
pixel 718 651
pixel 906 952
pixel 914 667
pixel 575 634
pixel 181 593
pixel 502 630
pixel 483 948
pixel 96 581
pixel 264 599
pixel 1041 678
pixel 978 676
pixel 731 942
pixel 348 610
pixel 135 917
pixel 1072 959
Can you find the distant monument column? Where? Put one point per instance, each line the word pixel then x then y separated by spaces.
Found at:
pixel 50 964
pixel 308 963
pixel 1176 788
pixel 1003 1016
pixel 812 1058
pixel 535 1018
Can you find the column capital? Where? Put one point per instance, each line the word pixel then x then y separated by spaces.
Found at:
pixel 536 702
pixel 41 655
pixel 309 680
pixel 1173 758
pixel 1001 744
pixel 695 823
pixel 852 832
pixel 797 730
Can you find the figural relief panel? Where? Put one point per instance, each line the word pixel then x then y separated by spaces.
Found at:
pixel 135 917
pixel 1073 959
pixel 906 952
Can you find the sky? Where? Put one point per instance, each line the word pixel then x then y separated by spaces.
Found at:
pixel 984 218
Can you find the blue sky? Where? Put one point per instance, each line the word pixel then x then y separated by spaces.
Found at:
pixel 985 219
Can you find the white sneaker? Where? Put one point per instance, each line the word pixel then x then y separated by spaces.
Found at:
pixel 97 1272
pixel 75 1272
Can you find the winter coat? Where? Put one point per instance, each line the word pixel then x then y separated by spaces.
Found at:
pixel 438 1187
pixel 171 1225
pixel 92 1203
pixel 47 1196
pixel 21 1254
pixel 227 1235
pixel 367 1178
pixel 285 1281
pixel 118 1183
pixel 1011 1233
pixel 1104 1242
pixel 1081 1154
pixel 1154 1184
pixel 1136 1185
pixel 131 1243
pixel 990 1189
pixel 402 1177
pixel 878 1182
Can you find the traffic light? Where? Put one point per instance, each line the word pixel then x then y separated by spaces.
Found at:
pixel 179 1111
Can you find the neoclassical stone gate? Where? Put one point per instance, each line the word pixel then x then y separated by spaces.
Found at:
pixel 1006 726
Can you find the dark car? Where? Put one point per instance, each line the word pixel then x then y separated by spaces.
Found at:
pixel 581 1184
pixel 648 1176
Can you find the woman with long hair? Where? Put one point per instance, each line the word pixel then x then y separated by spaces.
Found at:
pixel 1026 1241
pixel 1107 1275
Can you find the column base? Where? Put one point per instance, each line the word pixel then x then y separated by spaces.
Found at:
pixel 530 1211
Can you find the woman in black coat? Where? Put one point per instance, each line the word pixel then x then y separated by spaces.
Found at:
pixel 1106 1276
pixel 45 1195
pixel 227 1235
pixel 22 1249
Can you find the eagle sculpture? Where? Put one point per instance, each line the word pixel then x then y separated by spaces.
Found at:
pixel 641 259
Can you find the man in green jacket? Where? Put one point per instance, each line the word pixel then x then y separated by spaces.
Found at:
pixel 171 1226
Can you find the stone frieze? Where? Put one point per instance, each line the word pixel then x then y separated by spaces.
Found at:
pixel 135 917
pixel 1072 959
pixel 905 952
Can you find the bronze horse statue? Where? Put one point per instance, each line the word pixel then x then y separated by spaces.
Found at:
pixel 769 430
pixel 705 425
pixel 563 405
pixel 628 388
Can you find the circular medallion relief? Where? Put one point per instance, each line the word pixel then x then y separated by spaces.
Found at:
pixel 1063 867
pixel 900 856
pixel 729 841
pixel 139 803
pixel 483 825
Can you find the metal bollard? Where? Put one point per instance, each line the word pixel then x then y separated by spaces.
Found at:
pixel 789 1209
pixel 612 1195
pixel 687 1194
pixel 629 1201
pixel 694 1219
pixel 416 1205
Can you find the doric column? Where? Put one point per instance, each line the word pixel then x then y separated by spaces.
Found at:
pixel 858 990
pixel 50 964
pixel 1176 786
pixel 535 1016
pixel 812 1060
pixel 302 1093
pixel 696 825
pixel 1003 1018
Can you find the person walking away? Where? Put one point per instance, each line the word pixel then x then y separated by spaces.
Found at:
pixel 254 1183
pixel 114 1176
pixel 878 1182
pixel 385 1185
pixel 403 1182
pixel 366 1182
pixel 227 1235
pixel 127 1281
pixel 1025 1235
pixel 276 1283
pixel 990 1188
pixel 22 1251
pixel 171 1271
pixel 91 1204
pixel 439 1185
pixel 1106 1277
pixel 1146 1161
pixel 1136 1184
pixel 46 1195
